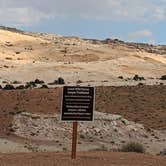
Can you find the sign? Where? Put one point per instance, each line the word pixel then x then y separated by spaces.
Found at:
pixel 78 103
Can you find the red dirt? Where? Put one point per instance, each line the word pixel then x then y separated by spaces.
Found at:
pixel 34 101
pixel 143 104
pixel 83 159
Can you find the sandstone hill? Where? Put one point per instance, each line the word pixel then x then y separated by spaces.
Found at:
pixel 25 56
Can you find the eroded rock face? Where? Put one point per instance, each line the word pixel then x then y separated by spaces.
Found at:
pixel 107 130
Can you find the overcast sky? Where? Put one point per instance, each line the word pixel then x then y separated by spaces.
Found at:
pixel 131 20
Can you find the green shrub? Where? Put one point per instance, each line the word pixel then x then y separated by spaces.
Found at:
pixel 133 147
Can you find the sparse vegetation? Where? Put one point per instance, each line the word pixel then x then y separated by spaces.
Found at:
pixel 133 147
pixel 59 81
pixel 140 84
pixel 37 81
pixel 8 58
pixel 138 78
pixel 163 153
pixel 9 87
pixel 44 87
pixel 163 77
pixel 16 82
pixel 79 82
pixel 5 66
pixel 17 52
pixel 30 84
pixel 20 87
pixel 120 77
pixel 8 44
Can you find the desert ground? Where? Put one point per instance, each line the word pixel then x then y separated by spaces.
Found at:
pixel 31 123
pixel 84 159
pixel 130 103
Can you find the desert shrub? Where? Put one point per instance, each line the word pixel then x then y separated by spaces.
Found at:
pixel 44 87
pixel 79 82
pixel 140 84
pixel 17 52
pixel 8 87
pixel 8 58
pixel 16 82
pixel 30 84
pixel 20 87
pixel 163 77
pixel 120 77
pixel 133 147
pixel 138 78
pixel 37 81
pixel 61 80
pixel 163 153
pixel 4 82
pixel 6 66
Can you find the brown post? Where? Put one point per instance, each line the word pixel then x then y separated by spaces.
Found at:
pixel 74 140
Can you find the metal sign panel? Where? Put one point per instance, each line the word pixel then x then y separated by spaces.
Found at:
pixel 78 103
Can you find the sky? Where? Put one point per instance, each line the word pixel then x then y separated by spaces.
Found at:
pixel 128 20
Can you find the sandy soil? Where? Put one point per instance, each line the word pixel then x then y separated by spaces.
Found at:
pixel 83 159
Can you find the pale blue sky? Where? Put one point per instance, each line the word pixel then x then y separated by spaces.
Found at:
pixel 129 20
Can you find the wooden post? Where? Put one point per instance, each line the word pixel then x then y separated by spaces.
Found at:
pixel 74 140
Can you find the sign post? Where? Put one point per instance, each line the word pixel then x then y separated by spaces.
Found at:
pixel 77 105
pixel 74 140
